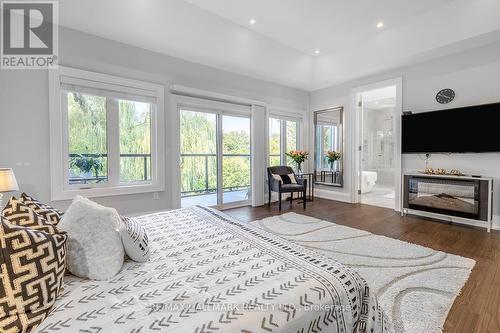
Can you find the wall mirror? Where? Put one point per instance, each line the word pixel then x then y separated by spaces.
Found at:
pixel 329 147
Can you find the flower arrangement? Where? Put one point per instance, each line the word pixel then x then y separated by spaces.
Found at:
pixel 332 156
pixel 298 156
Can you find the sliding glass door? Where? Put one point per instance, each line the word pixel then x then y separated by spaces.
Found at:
pixel 215 158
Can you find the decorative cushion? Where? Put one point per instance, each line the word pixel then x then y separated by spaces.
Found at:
pixel 286 179
pixel 32 270
pixel 135 240
pixel 20 214
pixel 47 212
pixel 277 177
pixel 95 248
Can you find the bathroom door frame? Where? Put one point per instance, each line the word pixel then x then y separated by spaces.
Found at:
pixel 357 132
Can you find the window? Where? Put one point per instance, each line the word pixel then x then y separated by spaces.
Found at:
pixel 104 135
pixel 87 138
pixel 283 137
pixel 274 142
pixel 291 139
pixel 135 141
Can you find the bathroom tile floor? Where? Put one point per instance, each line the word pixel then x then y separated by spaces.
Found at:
pixel 381 196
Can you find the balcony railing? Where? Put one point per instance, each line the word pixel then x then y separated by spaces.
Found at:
pixel 207 189
pixel 102 178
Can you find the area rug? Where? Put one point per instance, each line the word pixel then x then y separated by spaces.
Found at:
pixel 416 285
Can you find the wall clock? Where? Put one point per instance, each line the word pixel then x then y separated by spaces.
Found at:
pixel 445 96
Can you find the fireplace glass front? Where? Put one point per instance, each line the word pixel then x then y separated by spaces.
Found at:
pixel 444 196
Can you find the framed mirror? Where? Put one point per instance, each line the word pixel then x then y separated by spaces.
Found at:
pixel 329 147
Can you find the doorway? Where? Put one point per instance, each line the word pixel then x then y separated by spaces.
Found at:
pixel 378 158
pixel 215 158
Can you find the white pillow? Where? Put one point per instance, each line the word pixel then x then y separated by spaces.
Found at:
pixel 277 177
pixel 94 246
pixel 135 240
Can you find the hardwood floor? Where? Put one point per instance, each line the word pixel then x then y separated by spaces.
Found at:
pixel 477 308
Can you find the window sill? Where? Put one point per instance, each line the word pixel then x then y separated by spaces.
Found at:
pixel 69 194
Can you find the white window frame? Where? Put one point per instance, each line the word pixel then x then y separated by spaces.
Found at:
pixel 59 156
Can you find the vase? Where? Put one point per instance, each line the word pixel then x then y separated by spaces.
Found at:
pixel 331 165
pixel 299 169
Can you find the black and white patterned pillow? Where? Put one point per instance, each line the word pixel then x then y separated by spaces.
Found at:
pixel 286 179
pixel 32 273
pixel 135 240
pixel 20 214
pixel 47 212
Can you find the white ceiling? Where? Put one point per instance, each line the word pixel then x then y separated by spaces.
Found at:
pixel 307 25
pixel 280 46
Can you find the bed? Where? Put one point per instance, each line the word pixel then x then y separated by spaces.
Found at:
pixel 211 273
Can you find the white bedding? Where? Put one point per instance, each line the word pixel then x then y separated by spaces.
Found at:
pixel 211 273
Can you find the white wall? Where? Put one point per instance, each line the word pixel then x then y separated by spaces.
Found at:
pixel 24 113
pixel 475 77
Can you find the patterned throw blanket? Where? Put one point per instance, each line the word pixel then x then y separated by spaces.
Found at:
pixel 212 273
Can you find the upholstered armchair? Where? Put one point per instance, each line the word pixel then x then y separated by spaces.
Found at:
pixel 278 185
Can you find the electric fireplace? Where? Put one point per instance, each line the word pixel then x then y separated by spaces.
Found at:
pixel 464 197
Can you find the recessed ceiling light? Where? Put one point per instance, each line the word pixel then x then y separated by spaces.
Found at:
pixel 252 21
pixel 316 51
pixel 380 25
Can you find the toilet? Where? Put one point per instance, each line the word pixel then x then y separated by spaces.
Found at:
pixel 368 180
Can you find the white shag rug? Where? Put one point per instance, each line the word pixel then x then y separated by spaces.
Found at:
pixel 416 285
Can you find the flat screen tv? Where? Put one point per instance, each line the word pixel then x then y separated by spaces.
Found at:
pixel 473 129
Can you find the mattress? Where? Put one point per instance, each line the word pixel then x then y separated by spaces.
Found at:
pixel 211 273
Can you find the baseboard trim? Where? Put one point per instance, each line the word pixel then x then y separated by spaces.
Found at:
pixel 332 195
